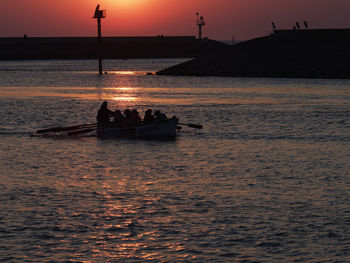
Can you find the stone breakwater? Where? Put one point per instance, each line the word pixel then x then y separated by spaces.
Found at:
pixel 320 53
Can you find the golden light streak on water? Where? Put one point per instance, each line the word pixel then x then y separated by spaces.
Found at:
pixel 125 98
pixel 124 72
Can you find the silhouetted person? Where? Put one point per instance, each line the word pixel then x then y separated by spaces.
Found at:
pixel 103 115
pixel 135 118
pixel 273 26
pixel 306 24
pixel 127 114
pixel 118 118
pixel 297 24
pixel 160 116
pixel 149 118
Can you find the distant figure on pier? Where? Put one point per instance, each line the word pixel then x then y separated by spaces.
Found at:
pixel 273 26
pixel 298 25
pixel 306 24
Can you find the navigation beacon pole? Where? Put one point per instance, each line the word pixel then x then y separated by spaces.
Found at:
pixel 200 23
pixel 99 14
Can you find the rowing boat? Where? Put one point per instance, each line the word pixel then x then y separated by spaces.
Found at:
pixel 163 129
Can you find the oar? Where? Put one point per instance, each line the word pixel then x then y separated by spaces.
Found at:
pixel 68 128
pixel 78 132
pixel 192 125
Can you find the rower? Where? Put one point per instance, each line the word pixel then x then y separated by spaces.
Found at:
pixel 149 118
pixel 127 119
pixel 118 118
pixel 103 115
pixel 135 118
pixel 160 116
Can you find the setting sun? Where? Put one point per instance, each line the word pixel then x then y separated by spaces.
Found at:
pixel 125 4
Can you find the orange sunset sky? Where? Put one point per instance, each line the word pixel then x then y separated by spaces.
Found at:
pixel 243 19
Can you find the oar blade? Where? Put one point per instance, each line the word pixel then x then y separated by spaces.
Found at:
pixel 59 129
pixel 192 125
pixel 68 128
pixel 196 126
pixel 54 129
pixel 80 132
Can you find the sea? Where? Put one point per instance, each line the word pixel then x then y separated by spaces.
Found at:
pixel 267 179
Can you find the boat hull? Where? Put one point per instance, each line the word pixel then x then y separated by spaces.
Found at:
pixel 159 130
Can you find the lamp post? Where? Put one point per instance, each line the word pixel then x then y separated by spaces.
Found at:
pixel 200 23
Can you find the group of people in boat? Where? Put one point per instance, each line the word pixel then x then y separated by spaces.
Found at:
pixel 129 118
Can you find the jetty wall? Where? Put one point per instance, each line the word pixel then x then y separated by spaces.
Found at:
pixel 111 47
pixel 323 53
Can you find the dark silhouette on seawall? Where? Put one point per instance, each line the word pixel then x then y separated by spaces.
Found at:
pixel 322 53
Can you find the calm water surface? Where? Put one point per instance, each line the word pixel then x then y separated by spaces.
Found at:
pixel 266 180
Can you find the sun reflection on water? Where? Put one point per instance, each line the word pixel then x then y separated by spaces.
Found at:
pixel 124 98
pixel 124 72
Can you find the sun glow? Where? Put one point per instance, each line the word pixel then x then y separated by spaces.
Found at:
pixel 125 4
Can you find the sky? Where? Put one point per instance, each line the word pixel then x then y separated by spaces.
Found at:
pixel 225 19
